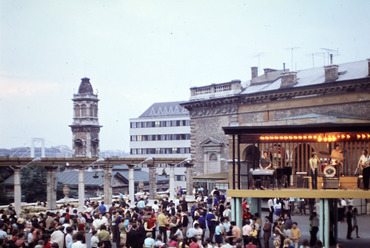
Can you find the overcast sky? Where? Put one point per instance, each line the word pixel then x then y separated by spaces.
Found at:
pixel 140 52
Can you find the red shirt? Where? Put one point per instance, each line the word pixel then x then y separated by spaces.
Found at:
pixel 246 215
pixel 151 223
pixel 194 245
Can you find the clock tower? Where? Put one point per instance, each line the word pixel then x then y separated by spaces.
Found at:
pixel 85 126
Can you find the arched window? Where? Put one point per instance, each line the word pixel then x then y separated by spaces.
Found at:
pixel 91 111
pixel 83 110
pixel 213 164
pixel 95 110
pixel 77 110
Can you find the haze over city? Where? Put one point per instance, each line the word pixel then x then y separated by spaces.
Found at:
pixel 140 52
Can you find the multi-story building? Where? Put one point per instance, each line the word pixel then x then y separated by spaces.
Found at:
pixel 163 130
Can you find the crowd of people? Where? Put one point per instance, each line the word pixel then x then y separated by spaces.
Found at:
pixel 204 223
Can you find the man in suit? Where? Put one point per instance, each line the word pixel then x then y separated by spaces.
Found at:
pixel 267 232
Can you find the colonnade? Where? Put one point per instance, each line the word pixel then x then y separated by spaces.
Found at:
pixel 51 184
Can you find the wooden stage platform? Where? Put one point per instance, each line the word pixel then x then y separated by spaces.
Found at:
pixel 301 193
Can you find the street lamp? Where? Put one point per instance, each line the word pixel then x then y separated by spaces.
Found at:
pixel 146 160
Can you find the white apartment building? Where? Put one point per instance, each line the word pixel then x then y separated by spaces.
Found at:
pixel 163 130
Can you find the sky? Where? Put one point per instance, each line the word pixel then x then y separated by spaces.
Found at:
pixel 140 52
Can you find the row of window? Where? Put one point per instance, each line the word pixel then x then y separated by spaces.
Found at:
pixel 86 111
pixel 154 137
pixel 174 150
pixel 173 123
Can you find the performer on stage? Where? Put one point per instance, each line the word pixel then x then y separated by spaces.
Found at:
pixel 265 164
pixel 314 161
pixel 364 162
pixel 337 155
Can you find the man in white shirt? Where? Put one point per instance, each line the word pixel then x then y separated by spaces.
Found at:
pixel 58 236
pixel 155 207
pixel 246 231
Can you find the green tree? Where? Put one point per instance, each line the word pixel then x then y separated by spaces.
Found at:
pixel 33 183
pixel 5 172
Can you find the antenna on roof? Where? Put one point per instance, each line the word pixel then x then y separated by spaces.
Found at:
pixel 313 59
pixel 330 53
pixel 291 55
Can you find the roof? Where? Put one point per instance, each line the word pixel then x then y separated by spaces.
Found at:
pixel 307 128
pixel 85 87
pixel 165 109
pixel 308 77
pixel 329 114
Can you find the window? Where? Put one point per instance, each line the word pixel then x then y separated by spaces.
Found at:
pixel 180 178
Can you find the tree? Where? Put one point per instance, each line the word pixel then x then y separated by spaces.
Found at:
pixel 33 183
pixel 5 172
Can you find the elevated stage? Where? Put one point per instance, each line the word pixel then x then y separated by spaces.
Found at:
pixel 301 193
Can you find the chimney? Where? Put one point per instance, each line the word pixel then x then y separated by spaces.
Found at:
pixel 267 70
pixel 331 73
pixel 288 79
pixel 254 71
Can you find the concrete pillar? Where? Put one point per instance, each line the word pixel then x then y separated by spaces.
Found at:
pixel 17 190
pixel 233 209
pixel 256 206
pixel 108 184
pixel 321 220
pixel 189 178
pixel 238 212
pixel 172 181
pixel 51 193
pixel 131 183
pixel 81 189
pixel 326 223
pixel 152 181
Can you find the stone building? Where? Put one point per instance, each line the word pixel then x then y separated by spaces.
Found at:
pixel 334 93
pixel 85 126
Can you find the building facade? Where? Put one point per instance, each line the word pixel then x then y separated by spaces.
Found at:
pixel 334 93
pixel 85 126
pixel 163 130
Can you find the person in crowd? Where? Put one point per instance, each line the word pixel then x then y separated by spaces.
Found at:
pixel 314 228
pixel 296 234
pixel 267 232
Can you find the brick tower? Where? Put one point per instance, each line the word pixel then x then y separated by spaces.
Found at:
pixel 85 126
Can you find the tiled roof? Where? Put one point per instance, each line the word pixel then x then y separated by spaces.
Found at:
pixel 164 109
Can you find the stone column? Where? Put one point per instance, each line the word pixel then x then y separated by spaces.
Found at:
pixel 189 179
pixel 131 183
pixel 108 184
pixel 172 181
pixel 17 190
pixel 51 194
pixel 152 181
pixel 81 189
